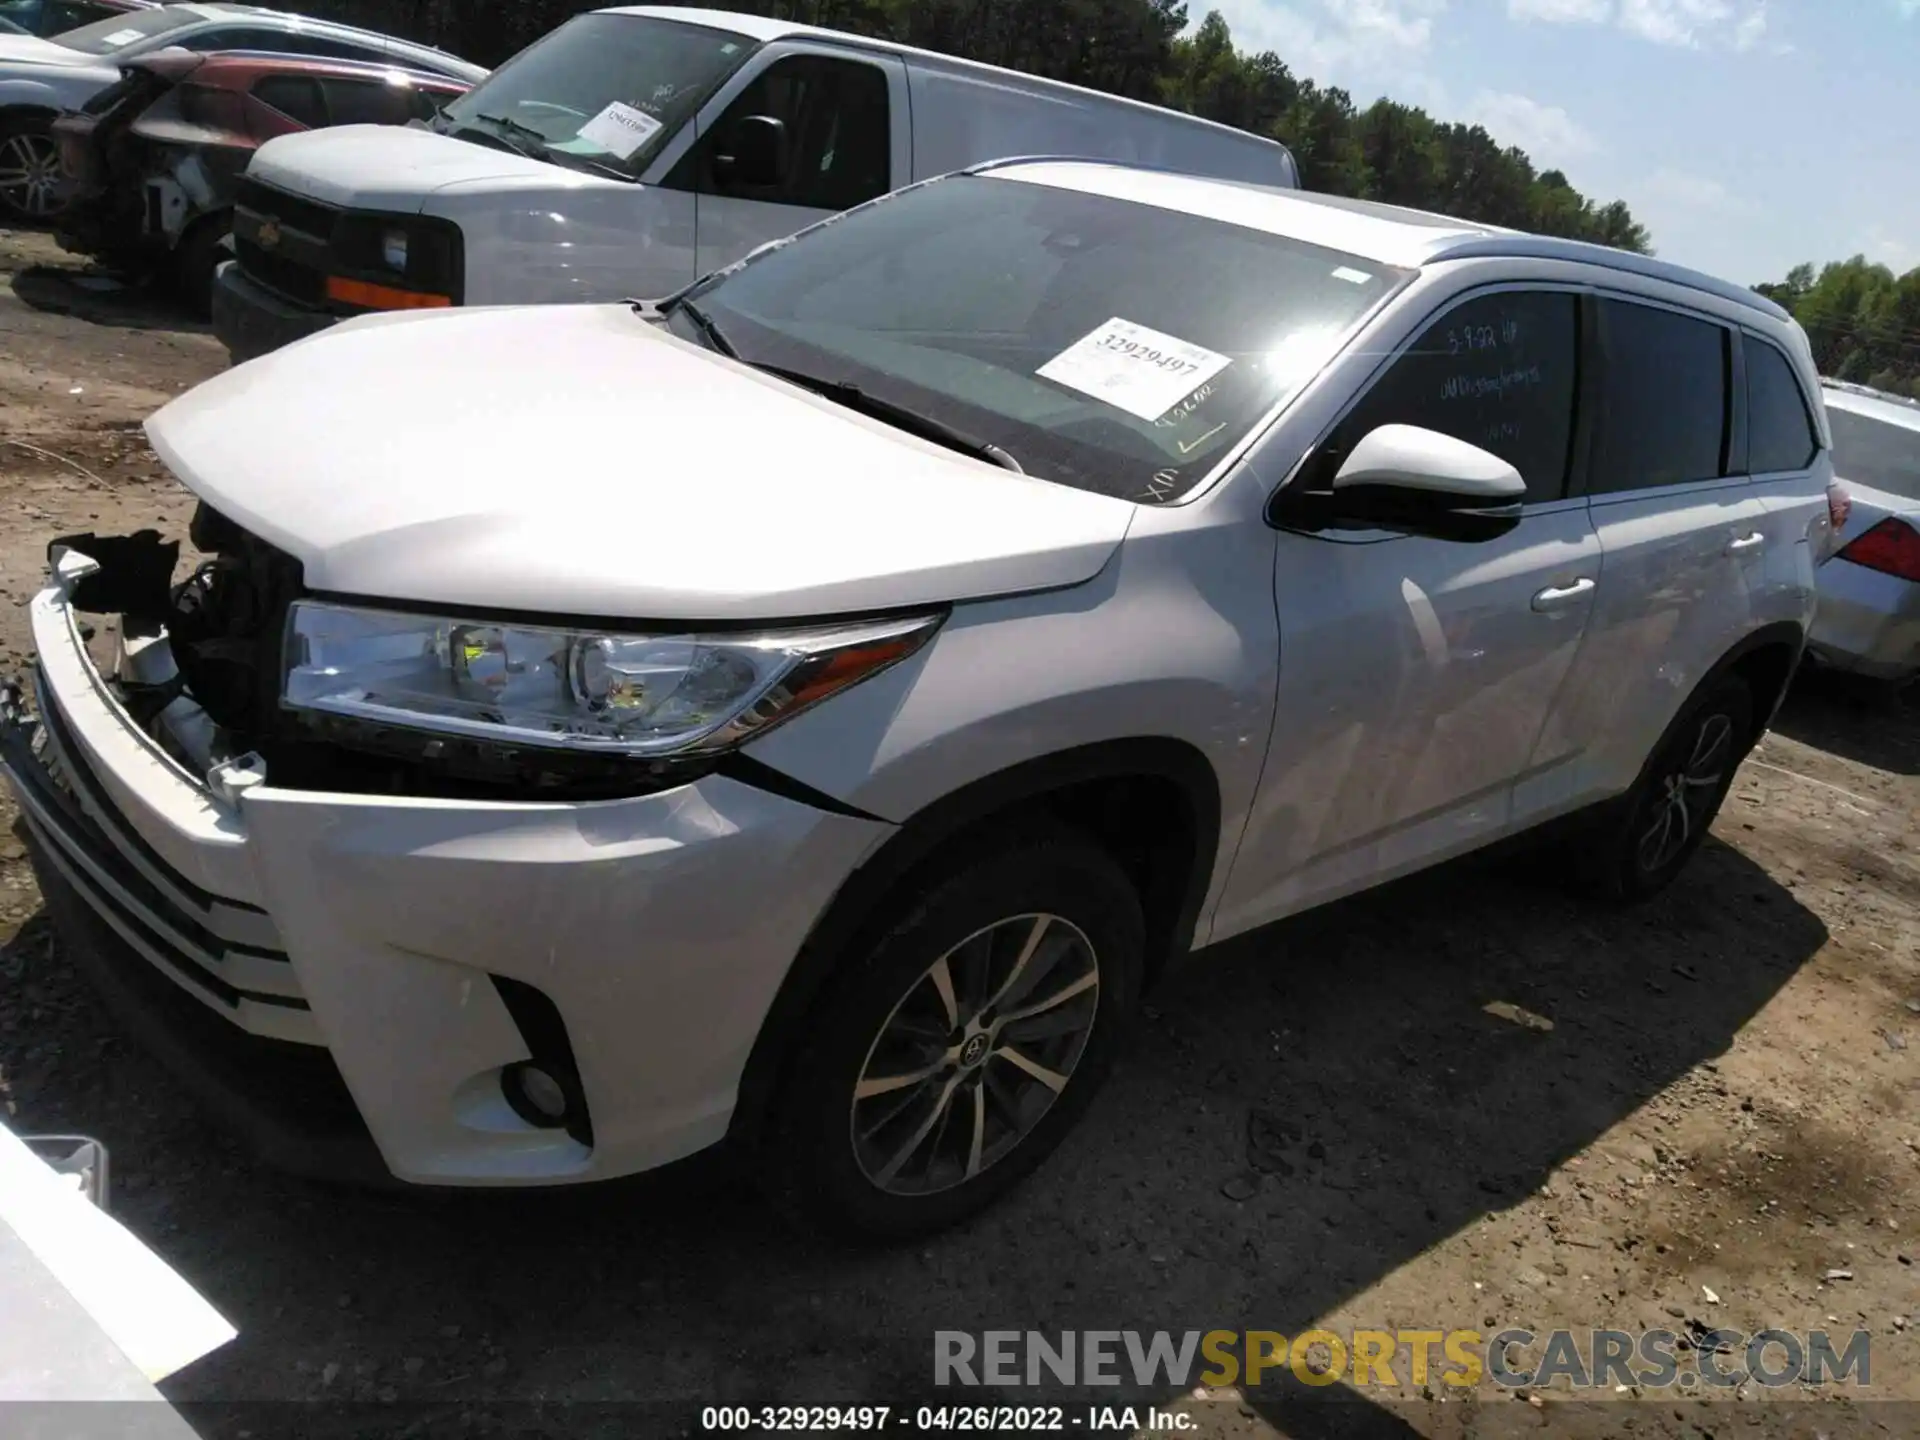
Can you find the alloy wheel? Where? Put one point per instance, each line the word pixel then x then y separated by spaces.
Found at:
pixel 975 1054
pixel 30 174
pixel 1683 799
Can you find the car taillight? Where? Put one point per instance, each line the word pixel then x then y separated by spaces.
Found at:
pixel 1891 547
pixel 1839 505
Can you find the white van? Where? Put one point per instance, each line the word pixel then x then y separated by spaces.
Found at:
pixel 633 150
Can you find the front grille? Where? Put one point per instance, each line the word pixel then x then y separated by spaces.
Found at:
pixel 299 283
pixel 302 235
pixel 293 212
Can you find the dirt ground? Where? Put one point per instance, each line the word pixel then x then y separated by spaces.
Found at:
pixel 1322 1125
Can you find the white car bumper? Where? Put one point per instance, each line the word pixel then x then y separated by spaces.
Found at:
pixel 369 930
pixel 1867 622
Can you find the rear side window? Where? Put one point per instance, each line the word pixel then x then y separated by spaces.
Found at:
pixel 1875 453
pixel 295 96
pixel 365 102
pixel 1499 371
pixel 1663 414
pixel 1780 433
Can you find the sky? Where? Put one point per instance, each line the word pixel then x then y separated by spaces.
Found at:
pixel 1746 135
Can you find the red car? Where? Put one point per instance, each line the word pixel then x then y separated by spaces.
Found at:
pixel 151 164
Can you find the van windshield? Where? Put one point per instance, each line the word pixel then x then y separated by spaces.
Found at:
pixel 1101 343
pixel 1876 453
pixel 604 89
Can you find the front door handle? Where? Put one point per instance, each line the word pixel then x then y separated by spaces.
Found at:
pixel 1559 597
pixel 1746 543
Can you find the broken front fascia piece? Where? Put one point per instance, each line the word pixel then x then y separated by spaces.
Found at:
pixel 131 576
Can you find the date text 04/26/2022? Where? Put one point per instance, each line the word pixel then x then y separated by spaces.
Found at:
pixel 945 1419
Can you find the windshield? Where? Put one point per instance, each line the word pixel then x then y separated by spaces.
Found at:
pixel 114 34
pixel 1875 453
pixel 1102 343
pixel 606 88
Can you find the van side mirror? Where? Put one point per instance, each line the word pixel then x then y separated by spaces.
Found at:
pixel 1405 477
pixel 753 152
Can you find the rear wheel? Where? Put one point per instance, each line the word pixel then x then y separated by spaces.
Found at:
pixel 1651 833
pixel 958 1051
pixel 29 170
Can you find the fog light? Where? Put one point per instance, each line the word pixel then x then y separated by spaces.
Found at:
pixel 535 1095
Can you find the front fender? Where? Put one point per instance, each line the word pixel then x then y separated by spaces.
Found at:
pixel 49 94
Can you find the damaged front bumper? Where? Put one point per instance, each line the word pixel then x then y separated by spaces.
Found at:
pixel 344 976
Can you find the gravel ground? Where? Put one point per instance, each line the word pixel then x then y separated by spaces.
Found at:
pixel 1705 1110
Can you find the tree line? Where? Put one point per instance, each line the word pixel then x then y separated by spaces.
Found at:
pixel 1388 151
pixel 1863 320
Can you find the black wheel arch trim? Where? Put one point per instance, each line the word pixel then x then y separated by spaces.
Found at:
pixel 853 909
pixel 1781 634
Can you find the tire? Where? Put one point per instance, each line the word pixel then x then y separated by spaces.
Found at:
pixel 195 259
pixel 29 170
pixel 1649 834
pixel 897 1162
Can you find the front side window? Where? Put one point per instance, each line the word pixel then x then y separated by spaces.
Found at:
pixel 1878 454
pixel 1102 343
pixel 1780 433
pixel 830 135
pixel 295 96
pixel 366 102
pixel 1663 416
pixel 604 90
pixel 1500 371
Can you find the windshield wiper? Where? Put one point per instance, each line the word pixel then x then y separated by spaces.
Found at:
pixel 702 321
pixel 511 128
pixel 912 421
pixel 843 393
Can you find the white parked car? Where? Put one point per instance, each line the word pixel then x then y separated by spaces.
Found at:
pixel 808 713
pixel 631 151
pixel 1869 617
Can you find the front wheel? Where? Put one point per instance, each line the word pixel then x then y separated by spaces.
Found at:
pixel 29 171
pixel 1653 830
pixel 956 1053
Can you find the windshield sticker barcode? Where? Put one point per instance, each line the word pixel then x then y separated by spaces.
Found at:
pixel 621 130
pixel 1351 275
pixel 1134 369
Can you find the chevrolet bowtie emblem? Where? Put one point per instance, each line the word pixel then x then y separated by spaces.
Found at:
pixel 268 235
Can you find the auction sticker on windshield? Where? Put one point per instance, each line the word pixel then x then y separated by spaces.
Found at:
pixel 621 129
pixel 1134 369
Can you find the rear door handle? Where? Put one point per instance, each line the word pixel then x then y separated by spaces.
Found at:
pixel 1559 597
pixel 1746 543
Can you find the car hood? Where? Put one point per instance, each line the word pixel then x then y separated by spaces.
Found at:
pixel 394 167
pixel 578 460
pixel 32 50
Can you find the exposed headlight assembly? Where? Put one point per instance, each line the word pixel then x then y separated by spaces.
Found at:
pixel 582 691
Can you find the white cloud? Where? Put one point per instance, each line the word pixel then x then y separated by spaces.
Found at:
pixel 1338 42
pixel 1896 252
pixel 1693 24
pixel 1562 12
pixel 1548 134
pixel 1684 190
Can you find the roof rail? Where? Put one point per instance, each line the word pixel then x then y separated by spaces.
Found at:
pixel 1007 161
pixel 1546 247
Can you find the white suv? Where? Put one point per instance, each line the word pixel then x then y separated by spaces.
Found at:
pixel 806 713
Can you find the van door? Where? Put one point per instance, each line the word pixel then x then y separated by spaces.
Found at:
pixel 1682 541
pixel 804 131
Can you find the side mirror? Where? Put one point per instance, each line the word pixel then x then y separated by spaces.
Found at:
pixel 1404 477
pixel 753 152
